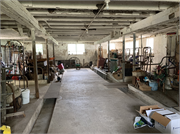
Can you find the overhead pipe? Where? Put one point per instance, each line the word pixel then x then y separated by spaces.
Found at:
pixel 93 20
pixel 159 62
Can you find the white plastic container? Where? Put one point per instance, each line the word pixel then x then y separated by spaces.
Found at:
pixel 25 96
pixel 168 84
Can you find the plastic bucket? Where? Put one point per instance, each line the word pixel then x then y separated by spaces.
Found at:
pixel 154 85
pixel 45 77
pixel 168 84
pixel 25 96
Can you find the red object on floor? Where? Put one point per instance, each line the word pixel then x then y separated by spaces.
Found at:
pixel 60 66
pixel 15 78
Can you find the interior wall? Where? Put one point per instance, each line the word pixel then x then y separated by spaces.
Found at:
pixel 105 49
pixel 160 44
pixel 61 52
pixel 118 45
pixel 28 47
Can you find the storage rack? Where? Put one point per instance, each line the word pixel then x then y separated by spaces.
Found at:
pixel 3 80
pixel 15 46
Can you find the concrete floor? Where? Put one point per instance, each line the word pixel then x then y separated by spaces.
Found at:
pixel 21 124
pixel 86 106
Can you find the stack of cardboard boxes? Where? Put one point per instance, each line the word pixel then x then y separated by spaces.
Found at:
pixel 164 120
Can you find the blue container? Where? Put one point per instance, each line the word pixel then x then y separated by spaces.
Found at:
pixel 154 85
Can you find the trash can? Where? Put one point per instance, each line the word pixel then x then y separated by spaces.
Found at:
pixel 154 85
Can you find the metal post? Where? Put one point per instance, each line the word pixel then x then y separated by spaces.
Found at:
pixel 3 99
pixel 150 61
pixel 108 56
pixel 123 58
pixel 134 46
pixel 47 53
pixel 141 52
pixel 23 68
pixel 53 55
pixel 35 63
pixel 100 50
pixel 178 41
pixel 3 90
pixel 177 34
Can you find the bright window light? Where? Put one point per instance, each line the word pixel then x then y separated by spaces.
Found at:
pixel 76 48
pixel 130 45
pixel 71 48
pixel 112 46
pixel 150 43
pixel 80 48
pixel 39 48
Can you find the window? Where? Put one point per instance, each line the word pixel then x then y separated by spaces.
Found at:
pixel 130 45
pixel 80 48
pixel 71 48
pixel 112 46
pixel 150 43
pixel 39 48
pixel 76 48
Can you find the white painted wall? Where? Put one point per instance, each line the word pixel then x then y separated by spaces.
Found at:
pixel 61 52
pixel 160 43
pixel 105 48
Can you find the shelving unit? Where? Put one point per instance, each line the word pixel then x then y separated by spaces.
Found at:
pixel 4 81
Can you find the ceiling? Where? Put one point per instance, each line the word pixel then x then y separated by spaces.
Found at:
pixel 87 21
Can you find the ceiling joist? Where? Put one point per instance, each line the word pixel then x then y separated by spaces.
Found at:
pixel 91 5
pixel 167 16
pixel 15 10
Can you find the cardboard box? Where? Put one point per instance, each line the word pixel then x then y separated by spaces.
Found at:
pixel 144 87
pixel 143 113
pixel 166 121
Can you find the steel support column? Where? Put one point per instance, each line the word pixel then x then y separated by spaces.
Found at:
pixel 141 52
pixel 100 50
pixel 35 64
pixel 108 56
pixel 134 47
pixel 123 59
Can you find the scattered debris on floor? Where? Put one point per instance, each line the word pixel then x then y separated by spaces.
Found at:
pixel 138 123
